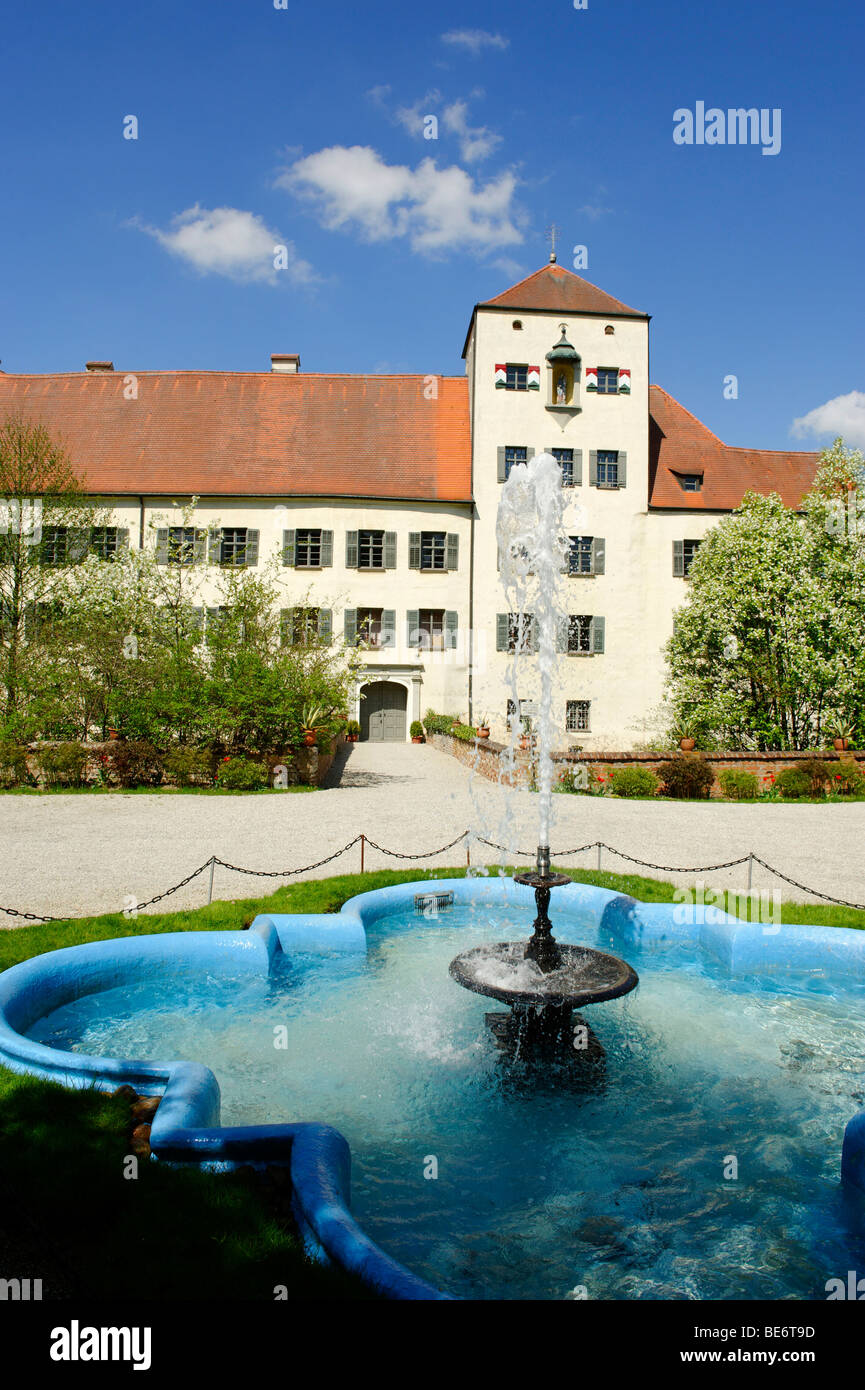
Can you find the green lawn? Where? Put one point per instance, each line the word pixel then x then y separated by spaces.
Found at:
pixel 69 1215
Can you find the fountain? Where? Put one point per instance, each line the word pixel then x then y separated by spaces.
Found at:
pixel 540 979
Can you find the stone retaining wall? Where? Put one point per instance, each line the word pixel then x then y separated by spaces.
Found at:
pixel 488 759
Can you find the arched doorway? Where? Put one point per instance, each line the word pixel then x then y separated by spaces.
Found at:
pixel 383 712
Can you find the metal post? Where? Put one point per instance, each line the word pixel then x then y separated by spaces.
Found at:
pixel 599 856
pixel 750 871
pixel 362 847
pixel 468 854
pixel 210 888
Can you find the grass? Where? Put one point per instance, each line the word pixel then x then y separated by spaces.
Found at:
pixel 151 791
pixel 70 1216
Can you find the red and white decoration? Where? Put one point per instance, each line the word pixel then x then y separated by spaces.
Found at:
pixel 624 379
pixel 501 374
pixel 533 379
pixel 591 378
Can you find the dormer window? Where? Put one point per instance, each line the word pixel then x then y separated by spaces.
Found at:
pixel 690 482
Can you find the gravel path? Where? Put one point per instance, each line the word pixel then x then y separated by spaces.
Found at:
pixel 79 855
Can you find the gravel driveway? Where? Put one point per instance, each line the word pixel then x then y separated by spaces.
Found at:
pixel 79 855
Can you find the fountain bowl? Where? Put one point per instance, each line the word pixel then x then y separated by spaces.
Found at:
pixel 585 976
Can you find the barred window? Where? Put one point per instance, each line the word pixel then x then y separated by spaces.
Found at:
pixel 577 716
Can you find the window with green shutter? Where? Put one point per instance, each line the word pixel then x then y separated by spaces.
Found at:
pixel 288 538
pixel 351 550
pixel 683 557
pixel 371 550
pixel 453 552
pixel 349 627
pixel 388 628
pixel 452 621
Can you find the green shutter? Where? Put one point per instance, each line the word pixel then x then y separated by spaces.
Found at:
pixel 326 549
pixel 679 559
pixel 578 468
pixel 502 628
pixel 162 545
pixel 351 550
pixel 453 552
pixel 412 626
pixel 251 551
pixel 288 548
pixel 414 550
pixel 388 627
pixel 530 453
pixel 214 545
pixel 122 538
pixel 199 547
pixel 390 550
pixel 500 465
pixel 452 622
pixel 598 555
pixel 325 626
pixel 598 625
pixel 623 469
pixel 285 626
pixel 593 468
pixel 349 628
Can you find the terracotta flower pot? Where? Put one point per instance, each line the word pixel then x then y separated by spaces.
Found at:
pixel 686 744
pixel 309 738
pixel 840 744
pixel 417 738
pixel 483 733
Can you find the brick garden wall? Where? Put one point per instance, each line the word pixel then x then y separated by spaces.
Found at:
pixel 489 759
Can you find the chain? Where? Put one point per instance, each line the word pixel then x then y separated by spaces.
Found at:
pixel 430 854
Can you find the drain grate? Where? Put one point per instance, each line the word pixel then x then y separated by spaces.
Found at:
pixel 427 903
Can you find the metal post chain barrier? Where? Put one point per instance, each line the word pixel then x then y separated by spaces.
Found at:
pixel 750 859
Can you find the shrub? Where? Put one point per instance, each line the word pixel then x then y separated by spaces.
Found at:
pixel 466 732
pixel 241 775
pixel 818 774
pixel 793 782
pixel 189 767
pixel 13 765
pixel 439 723
pixel 63 764
pixel 687 777
pixel 738 785
pixel 848 780
pixel 633 781
pixel 135 764
pixel 352 729
pixel 416 729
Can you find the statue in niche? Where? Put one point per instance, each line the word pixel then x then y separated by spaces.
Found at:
pixel 561 389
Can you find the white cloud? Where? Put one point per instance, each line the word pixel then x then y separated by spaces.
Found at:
pixel 475 40
pixel 843 415
pixel 411 118
pixel 230 242
pixel 438 210
pixel 593 211
pixel 476 142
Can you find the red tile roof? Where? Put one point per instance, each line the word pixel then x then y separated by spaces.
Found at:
pixel 257 434
pixel 555 288
pixel 679 443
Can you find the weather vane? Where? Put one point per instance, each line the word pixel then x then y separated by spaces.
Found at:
pixel 552 232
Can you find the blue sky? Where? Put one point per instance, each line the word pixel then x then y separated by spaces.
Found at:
pixel 303 127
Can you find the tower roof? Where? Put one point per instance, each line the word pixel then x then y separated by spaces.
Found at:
pixel 555 290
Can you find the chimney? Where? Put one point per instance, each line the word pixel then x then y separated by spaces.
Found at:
pixel 99 366
pixel 285 362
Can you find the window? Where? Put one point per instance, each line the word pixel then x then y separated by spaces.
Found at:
pixel 431 628
pixel 580 555
pixel 433 550
pixel 370 550
pixel 577 716
pixel 579 633
pixel 526 711
pixel 514 454
pixel 105 541
pixel 690 482
pixel 608 381
pixel 512 635
pixel 517 323
pixel 516 376
pixel 609 330
pixel 232 548
pixel 565 459
pixel 181 544
pixel 683 557
pixel 608 468
pixel 302 627
pixel 307 549
pixel 54 545
pixel 369 626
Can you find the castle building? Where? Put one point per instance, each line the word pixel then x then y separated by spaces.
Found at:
pixel 379 495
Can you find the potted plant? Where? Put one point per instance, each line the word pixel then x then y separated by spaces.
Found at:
pixel 841 734
pixel 685 730
pixel 352 731
pixel 311 716
pixel 416 731
pixel 484 726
